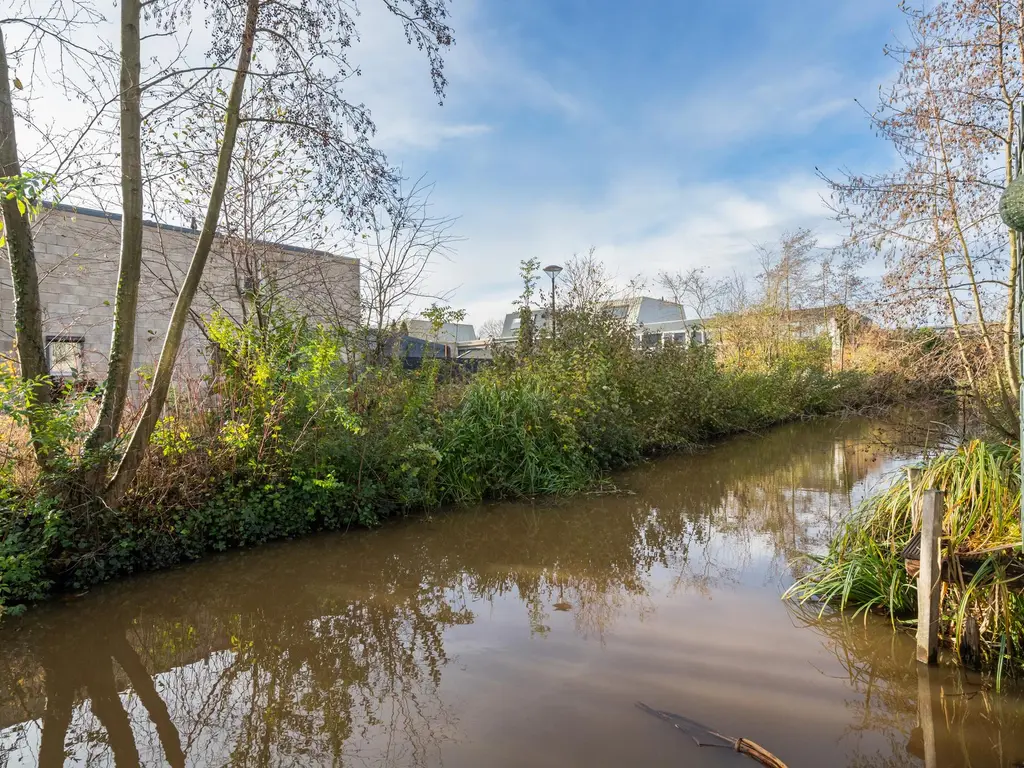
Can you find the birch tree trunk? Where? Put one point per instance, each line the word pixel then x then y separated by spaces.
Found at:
pixel 28 315
pixel 132 457
pixel 122 341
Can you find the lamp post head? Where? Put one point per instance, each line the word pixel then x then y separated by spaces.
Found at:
pixel 553 270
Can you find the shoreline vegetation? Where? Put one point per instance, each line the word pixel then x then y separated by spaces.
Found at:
pixel 287 438
pixel 301 427
pixel 982 606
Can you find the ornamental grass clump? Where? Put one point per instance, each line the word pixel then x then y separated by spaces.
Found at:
pixel 983 596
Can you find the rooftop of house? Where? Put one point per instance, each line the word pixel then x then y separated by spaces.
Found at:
pixel 448 333
pixel 816 314
pixel 652 313
pixel 804 315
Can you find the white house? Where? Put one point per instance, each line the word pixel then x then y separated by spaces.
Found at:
pixel 448 333
pixel 656 321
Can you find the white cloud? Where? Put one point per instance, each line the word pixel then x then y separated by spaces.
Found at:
pixel 640 226
pixel 746 103
pixel 641 220
pixel 483 73
pixel 398 134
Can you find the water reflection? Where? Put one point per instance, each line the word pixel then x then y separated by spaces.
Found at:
pixel 422 643
pixel 939 715
pixel 235 685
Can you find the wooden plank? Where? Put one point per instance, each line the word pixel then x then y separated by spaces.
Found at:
pixel 928 586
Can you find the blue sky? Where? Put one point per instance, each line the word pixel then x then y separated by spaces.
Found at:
pixel 665 134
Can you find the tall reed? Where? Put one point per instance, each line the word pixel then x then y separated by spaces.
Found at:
pixel 863 568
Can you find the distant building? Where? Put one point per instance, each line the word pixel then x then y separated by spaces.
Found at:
pixel 736 332
pixel 835 320
pixel 453 341
pixel 448 333
pixel 655 321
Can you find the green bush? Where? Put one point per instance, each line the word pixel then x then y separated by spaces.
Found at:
pixel 298 435
pixel 506 439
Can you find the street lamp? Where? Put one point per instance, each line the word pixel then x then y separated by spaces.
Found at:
pixel 553 270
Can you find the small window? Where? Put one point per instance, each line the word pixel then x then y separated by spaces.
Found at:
pixel 64 355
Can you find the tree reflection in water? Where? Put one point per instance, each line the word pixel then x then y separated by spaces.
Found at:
pixel 245 688
pixel 331 651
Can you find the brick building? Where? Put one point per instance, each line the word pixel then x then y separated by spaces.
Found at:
pixel 77 258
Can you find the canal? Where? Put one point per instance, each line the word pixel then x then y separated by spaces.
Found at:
pixel 514 634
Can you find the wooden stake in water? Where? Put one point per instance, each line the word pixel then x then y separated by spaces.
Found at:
pixel 926 716
pixel 929 578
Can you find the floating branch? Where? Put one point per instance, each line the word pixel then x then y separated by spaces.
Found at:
pixel 696 731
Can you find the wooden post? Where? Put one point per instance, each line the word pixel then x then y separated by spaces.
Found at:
pixel 926 716
pixel 914 484
pixel 929 578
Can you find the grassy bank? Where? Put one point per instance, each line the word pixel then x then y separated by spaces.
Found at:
pixel 288 439
pixel 982 604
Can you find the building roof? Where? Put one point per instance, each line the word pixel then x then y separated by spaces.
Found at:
pixel 653 314
pixel 79 210
pixel 815 314
pixel 449 333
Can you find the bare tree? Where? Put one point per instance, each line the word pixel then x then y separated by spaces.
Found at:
pixel 952 115
pixel 41 29
pixel 694 287
pixel 271 200
pixel 403 242
pixel 586 283
pixel 17 232
pixel 491 328
pixel 735 296
pixel 293 60
pixel 785 279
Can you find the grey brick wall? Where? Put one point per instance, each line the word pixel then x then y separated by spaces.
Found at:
pixel 77 256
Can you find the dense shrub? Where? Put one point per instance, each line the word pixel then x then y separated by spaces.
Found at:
pixel 293 434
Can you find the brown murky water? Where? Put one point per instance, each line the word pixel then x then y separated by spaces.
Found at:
pixel 511 635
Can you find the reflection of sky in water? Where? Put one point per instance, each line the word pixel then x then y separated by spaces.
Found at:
pixel 515 634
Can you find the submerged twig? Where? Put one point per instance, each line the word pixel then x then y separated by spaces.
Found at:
pixel 686 725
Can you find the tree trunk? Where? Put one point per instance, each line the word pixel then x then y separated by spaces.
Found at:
pixel 107 707
pixel 172 342
pixel 122 340
pixel 28 315
pixel 59 687
pixel 145 689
